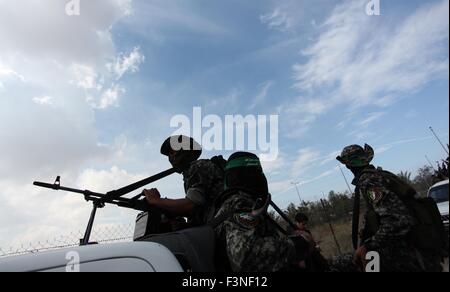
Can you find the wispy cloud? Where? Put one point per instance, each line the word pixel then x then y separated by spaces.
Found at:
pixel 278 19
pixel 304 160
pixel 43 100
pixel 351 63
pixel 262 94
pixel 282 187
pixel 372 117
pixel 161 21
pixel 5 71
pixel 126 63
pixel 110 97
pixel 101 89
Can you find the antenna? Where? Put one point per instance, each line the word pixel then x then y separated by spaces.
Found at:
pixel 437 138
pixel 426 157
pixel 346 182
pixel 298 192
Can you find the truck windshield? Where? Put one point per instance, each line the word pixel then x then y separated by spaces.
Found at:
pixel 439 194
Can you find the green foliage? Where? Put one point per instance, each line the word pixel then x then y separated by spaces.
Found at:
pixel 405 176
pixel 337 207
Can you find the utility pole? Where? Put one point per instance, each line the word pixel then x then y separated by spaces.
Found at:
pixel 298 192
pixel 437 138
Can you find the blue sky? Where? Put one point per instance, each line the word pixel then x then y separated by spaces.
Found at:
pixel 90 97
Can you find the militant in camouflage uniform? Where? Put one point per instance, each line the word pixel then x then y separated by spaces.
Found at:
pixel 247 240
pixel 388 222
pixel 203 181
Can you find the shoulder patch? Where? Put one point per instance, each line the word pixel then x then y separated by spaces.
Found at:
pixel 246 220
pixel 375 194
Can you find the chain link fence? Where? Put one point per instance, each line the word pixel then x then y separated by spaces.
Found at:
pixel 100 235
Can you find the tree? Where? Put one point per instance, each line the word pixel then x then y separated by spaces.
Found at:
pixel 424 180
pixel 406 177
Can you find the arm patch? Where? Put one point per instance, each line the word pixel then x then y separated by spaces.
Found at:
pixel 375 194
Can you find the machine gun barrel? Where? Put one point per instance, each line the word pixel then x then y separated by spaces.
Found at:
pixel 99 198
pixel 281 213
pixel 113 197
pixel 134 186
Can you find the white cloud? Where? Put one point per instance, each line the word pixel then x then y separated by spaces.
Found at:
pixel 110 97
pixel 320 176
pixel 85 77
pixel 52 34
pixel 261 96
pixel 5 72
pixel 311 106
pixel 43 100
pixel 361 135
pixel 127 63
pixel 288 16
pixel 304 161
pixel 62 53
pixel 31 214
pixel 49 58
pixel 279 188
pixel 274 166
pixel 93 83
pixel 353 63
pixel 229 100
pixel 300 115
pixel 106 180
pixel 330 157
pixel 278 19
pixel 366 63
pixel 372 117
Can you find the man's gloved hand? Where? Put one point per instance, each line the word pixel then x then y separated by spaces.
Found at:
pixel 152 196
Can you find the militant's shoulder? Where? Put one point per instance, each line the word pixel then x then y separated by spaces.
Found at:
pixel 202 164
pixel 238 198
pixel 373 185
pixel 371 177
pixel 202 170
pixel 195 167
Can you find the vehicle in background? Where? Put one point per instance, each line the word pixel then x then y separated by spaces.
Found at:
pixel 439 193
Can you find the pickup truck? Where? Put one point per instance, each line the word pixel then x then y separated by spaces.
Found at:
pixel 118 257
pixel 188 250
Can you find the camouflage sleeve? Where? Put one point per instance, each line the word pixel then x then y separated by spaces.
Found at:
pixel 395 221
pixel 194 185
pixel 231 235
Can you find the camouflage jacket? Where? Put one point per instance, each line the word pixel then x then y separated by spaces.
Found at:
pixel 251 244
pixel 203 183
pixel 393 217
